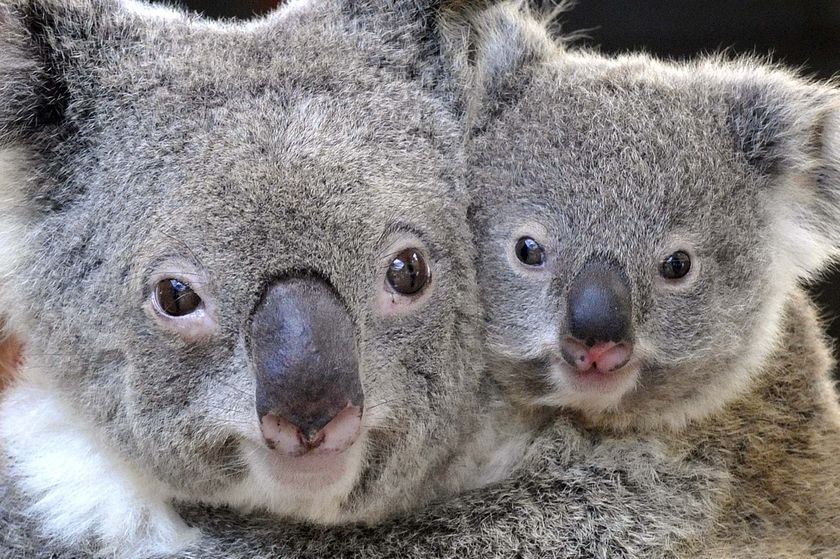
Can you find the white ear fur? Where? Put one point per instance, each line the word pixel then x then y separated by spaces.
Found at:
pixel 151 11
pixel 808 202
pixel 506 39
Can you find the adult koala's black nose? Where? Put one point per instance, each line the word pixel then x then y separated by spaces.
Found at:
pixel 303 349
pixel 600 307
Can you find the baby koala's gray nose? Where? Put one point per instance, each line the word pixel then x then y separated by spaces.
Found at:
pixel 308 392
pixel 600 308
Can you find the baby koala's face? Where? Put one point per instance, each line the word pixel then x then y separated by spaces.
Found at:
pixel 247 264
pixel 640 226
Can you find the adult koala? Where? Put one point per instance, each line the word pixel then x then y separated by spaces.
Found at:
pixel 239 259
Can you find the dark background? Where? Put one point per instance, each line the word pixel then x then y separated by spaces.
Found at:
pixel 803 33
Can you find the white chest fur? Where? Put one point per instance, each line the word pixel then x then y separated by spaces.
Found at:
pixel 79 490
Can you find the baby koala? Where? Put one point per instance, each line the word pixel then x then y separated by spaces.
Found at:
pixel 644 227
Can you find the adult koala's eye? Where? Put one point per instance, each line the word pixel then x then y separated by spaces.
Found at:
pixel 408 272
pixel 675 266
pixel 176 298
pixel 530 252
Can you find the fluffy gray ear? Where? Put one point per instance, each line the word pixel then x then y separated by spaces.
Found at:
pixel 504 41
pixel 788 130
pixel 40 44
pixel 49 50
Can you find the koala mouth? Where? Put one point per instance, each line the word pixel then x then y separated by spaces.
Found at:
pixel 603 358
pixel 605 367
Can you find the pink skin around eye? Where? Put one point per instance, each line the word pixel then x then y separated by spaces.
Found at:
pixel 194 327
pixel 387 301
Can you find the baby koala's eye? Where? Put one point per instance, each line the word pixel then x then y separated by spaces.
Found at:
pixel 175 298
pixel 408 272
pixel 675 266
pixel 530 252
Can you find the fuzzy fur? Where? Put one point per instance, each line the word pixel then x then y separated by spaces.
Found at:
pixel 629 159
pixel 309 142
pixel 141 141
pixel 358 131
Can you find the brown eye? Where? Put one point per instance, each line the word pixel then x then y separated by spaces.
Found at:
pixel 176 298
pixel 675 266
pixel 529 252
pixel 408 272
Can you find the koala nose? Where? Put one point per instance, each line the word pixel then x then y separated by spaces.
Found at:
pixel 600 315
pixel 599 305
pixel 308 391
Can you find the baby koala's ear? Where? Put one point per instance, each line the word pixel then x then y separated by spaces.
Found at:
pixel 504 41
pixel 788 130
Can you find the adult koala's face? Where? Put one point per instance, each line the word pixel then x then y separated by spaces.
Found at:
pixel 244 258
pixel 641 224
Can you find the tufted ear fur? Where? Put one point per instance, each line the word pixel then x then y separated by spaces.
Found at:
pixel 504 41
pixel 789 132
pixel 45 48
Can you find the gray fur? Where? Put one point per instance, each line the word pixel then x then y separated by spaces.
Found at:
pixel 628 160
pixel 301 144
pixel 631 159
pixel 296 145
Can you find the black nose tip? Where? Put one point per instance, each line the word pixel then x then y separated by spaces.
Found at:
pixel 600 307
pixel 304 354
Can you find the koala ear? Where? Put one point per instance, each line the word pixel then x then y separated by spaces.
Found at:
pixel 504 41
pixel 40 42
pixel 788 130
pixel 48 54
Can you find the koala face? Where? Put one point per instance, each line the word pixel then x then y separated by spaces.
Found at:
pixel 245 259
pixel 640 224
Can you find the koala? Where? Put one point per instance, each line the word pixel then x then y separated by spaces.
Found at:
pixel 644 228
pixel 293 332
pixel 291 359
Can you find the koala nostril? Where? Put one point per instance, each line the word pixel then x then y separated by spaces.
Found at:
pixel 599 305
pixel 603 356
pixel 336 435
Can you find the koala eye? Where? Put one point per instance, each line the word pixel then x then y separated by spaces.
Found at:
pixel 675 266
pixel 530 252
pixel 408 272
pixel 176 298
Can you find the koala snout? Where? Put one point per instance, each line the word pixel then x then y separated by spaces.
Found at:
pixel 600 315
pixel 303 350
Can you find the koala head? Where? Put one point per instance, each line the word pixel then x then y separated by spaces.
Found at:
pixel 239 252
pixel 641 223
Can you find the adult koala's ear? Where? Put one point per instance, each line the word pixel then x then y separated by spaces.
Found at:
pixel 788 131
pixel 51 56
pixel 45 48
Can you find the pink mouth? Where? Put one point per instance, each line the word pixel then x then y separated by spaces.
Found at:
pixel 322 458
pixel 601 366
pixel 603 357
pixel 334 437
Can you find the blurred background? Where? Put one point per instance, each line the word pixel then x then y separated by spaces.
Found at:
pixel 805 34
